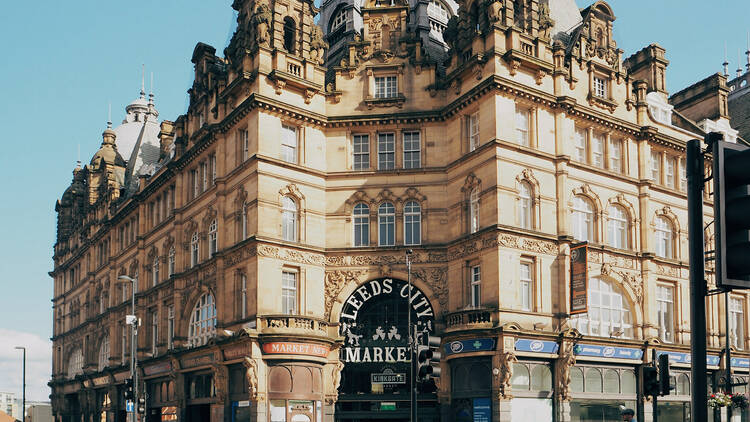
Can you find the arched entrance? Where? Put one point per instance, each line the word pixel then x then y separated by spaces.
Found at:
pixel 375 379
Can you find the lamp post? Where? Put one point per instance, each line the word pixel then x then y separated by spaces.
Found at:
pixel 133 321
pixel 23 409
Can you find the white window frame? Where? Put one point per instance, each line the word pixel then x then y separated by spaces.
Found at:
pixel 170 327
pixel 289 292
pixel 339 19
pixel 104 353
pixel 526 285
pixel 244 221
pixel 361 152
pixel 194 250
pixel 243 296
pixel 670 173
pixel 472 129
pixel 523 126
pixel 412 149
pixel 664 237
pixel 204 176
pixel 606 318
pixel 386 151
pixel 361 225
pixel 597 150
pixel 737 322
pixel 245 144
pixel 213 241
pixel 583 219
pixel 386 86
pixel 412 223
pixel 618 227
pixel 615 155
pixel 525 206
pixel 196 182
pixel 289 143
pixel 123 343
pixel 386 224
pixel 665 312
pixel 581 144
pixel 600 86
pixel 289 217
pixel 75 363
pixel 202 321
pixel 172 261
pixel 474 210
pixel 154 332
pixel 683 175
pixel 212 164
pixel 155 271
pixel 475 274
pixel 656 166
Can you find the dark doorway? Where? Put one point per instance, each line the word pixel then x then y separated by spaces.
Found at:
pixel 198 413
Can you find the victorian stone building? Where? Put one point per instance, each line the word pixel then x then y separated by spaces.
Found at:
pixel 469 148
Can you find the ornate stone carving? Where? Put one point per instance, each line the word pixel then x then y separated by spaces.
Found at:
pixel 262 19
pixel 220 381
pixel 436 279
pixel 505 375
pixel 545 20
pixel 335 283
pixel 515 64
pixel 336 378
pixel 251 374
pixel 318 45
pixel 566 359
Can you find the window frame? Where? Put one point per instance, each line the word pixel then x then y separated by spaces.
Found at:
pixel 737 322
pixel 290 294
pixel 472 130
pixel 526 284
pixel 585 322
pixel 615 161
pixel 474 210
pixel 412 223
pixel 361 225
pixel 600 86
pixel 194 249
pixel 475 286
pixel 387 222
pixel 289 150
pixel 213 238
pixel 409 151
pixel 618 227
pixel 667 238
pixel 203 314
pixel 589 223
pixel 665 304
pixel 523 134
pixel 580 144
pixel 361 151
pixel 155 271
pixel 289 219
pixel 525 205
pixel 386 157
pixel 171 261
pixel 386 86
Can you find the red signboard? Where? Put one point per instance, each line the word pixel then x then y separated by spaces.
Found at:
pixel 287 348
pixel 579 279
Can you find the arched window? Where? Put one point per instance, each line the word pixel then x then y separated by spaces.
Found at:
pixel 583 219
pixel 412 223
pixel 194 249
pixel 361 216
pixel 171 261
pixel 104 353
pixel 155 271
pixel 618 227
pixel 212 238
pixel 521 377
pixel 664 237
pixel 609 313
pixel 611 381
pixel 474 210
pixel 288 219
pixel 338 20
pixel 593 380
pixel 386 224
pixel 289 34
pixel 525 206
pixel 576 380
pixel 75 363
pixel 202 321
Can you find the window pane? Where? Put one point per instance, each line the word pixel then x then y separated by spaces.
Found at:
pixel 576 380
pixel 520 378
pixel 361 149
pixel 412 150
pixel 593 381
pixel 386 151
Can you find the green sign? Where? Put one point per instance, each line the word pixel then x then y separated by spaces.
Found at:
pixel 387 405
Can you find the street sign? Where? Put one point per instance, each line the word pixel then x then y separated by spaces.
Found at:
pixel 388 378
pixel 129 406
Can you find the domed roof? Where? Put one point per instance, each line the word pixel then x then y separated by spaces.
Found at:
pixel 137 138
pixel 108 151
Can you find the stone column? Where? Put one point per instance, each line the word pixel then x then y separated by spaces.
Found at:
pixel 566 359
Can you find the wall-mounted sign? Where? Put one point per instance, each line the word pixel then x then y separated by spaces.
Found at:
pixel 103 380
pixel 607 351
pixel 482 409
pixel 192 362
pixel 536 346
pixel 288 348
pixel 579 279
pixel 471 345
pixel 679 357
pixel 388 377
pixel 157 368
pixel 238 351
pixel 740 362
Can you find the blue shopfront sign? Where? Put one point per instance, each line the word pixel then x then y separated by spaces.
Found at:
pixel 740 363
pixel 595 350
pixel 536 346
pixel 482 410
pixel 679 357
pixel 471 345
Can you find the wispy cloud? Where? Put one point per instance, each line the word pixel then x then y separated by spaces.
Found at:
pixel 38 364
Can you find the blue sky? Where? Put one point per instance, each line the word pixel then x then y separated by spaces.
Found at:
pixel 63 62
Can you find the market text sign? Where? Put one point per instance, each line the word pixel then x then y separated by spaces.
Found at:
pixel 578 279
pixel 287 348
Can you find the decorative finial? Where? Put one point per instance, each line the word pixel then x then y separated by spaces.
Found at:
pixel 151 93
pixel 726 63
pixel 739 66
pixel 747 53
pixel 109 116
pixel 143 81
pixel 78 161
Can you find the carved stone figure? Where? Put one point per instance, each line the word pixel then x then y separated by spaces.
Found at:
pixel 336 376
pixel 318 45
pixel 494 11
pixel 565 361
pixel 220 381
pixel 505 375
pixel 545 21
pixel 251 374
pixel 262 19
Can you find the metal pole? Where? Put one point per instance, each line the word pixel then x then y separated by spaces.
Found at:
pixel 729 352
pixel 23 409
pixel 655 408
pixel 413 372
pixel 695 177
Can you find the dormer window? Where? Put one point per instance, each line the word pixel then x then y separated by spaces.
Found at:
pixel 338 20
pixel 600 87
pixel 385 87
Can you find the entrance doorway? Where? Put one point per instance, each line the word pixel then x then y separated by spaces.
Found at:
pixel 198 413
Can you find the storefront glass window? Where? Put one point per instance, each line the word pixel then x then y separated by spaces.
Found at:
pixel 576 380
pixel 541 378
pixel 278 410
pixel 628 382
pixel 611 381
pixel 593 381
pixel 520 377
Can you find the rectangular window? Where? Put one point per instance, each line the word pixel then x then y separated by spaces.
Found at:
pixel 361 144
pixel 683 176
pixel 212 165
pixel 412 150
pixel 124 343
pixel 386 151
pixel 472 129
pixel 597 150
pixel 243 296
pixel 289 292
pixel 600 87
pixel 204 176
pixel 195 183
pixel 170 327
pixel 522 126
pixel 244 144
pixel 665 312
pixel 615 155
pixel 385 87
pixel 154 332
pixel 527 285
pixel 289 143
pixel 580 145
pixel 670 172
pixel 656 166
pixel 476 286
pixel 737 323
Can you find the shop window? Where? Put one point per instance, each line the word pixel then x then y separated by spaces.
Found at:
pixel 576 380
pixel 201 386
pixel 541 378
pixel 521 377
pixel 627 381
pixel 683 385
pixel 593 381
pixel 611 381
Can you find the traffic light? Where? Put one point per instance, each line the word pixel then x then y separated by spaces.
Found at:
pixel 141 405
pixel 731 174
pixel 665 378
pixel 650 381
pixel 129 389
pixel 428 359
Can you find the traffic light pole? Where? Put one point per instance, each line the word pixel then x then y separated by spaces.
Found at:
pixel 411 345
pixel 695 177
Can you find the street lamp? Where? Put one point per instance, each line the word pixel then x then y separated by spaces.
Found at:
pixel 133 321
pixel 23 409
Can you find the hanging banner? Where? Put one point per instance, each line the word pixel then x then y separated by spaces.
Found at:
pixel 579 278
